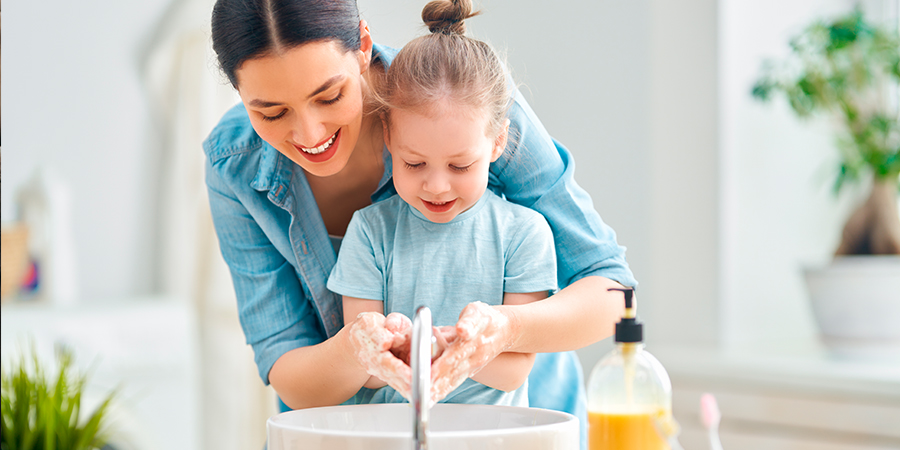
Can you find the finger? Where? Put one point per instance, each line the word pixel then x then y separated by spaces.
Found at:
pixel 440 338
pixel 448 333
pixel 440 344
pixel 472 321
pixel 446 377
pixel 397 375
pixel 397 323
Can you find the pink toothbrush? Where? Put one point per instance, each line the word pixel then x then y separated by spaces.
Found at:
pixel 710 416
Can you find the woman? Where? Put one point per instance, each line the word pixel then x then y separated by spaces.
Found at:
pixel 288 166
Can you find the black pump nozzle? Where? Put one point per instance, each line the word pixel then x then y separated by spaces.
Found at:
pixel 629 294
pixel 628 329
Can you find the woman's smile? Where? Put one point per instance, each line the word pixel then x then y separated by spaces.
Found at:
pixel 322 152
pixel 321 147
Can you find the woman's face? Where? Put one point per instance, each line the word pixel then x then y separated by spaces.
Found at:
pixel 307 102
pixel 441 161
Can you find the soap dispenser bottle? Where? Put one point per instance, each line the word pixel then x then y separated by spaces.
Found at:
pixel 630 394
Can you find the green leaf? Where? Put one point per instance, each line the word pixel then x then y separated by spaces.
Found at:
pixel 39 411
pixel 835 69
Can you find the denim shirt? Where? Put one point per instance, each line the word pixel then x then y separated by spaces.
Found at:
pixel 274 241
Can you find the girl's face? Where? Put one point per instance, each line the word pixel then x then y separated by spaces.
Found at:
pixel 307 102
pixel 441 163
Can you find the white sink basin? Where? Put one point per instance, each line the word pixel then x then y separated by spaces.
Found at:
pixel 451 427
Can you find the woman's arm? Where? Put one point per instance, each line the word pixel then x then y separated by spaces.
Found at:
pixel 484 332
pixel 277 318
pixel 579 315
pixel 538 172
pixel 324 374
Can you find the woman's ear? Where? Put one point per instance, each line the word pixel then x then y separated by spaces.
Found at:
pixel 364 54
pixel 500 141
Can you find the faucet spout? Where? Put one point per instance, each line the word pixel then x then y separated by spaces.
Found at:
pixel 420 363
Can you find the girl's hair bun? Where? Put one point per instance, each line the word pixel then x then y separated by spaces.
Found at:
pixel 448 16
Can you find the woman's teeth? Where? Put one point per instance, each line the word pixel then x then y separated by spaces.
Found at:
pixel 321 148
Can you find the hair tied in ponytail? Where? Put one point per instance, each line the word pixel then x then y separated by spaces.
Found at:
pixel 448 16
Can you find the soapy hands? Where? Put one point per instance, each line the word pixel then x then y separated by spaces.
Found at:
pixel 481 334
pixel 382 345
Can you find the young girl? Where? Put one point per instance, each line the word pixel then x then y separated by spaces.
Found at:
pixel 445 240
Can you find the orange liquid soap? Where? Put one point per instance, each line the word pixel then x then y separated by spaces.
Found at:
pixel 623 432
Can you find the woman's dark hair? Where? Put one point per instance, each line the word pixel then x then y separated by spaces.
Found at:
pixel 248 29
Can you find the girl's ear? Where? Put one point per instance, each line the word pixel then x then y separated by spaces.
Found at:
pixel 500 141
pixel 364 54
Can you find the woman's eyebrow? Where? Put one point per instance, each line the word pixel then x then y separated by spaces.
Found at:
pixel 327 84
pixel 263 104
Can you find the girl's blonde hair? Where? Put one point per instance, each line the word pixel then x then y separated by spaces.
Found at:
pixel 446 65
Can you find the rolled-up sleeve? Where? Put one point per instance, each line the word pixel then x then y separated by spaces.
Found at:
pixel 275 313
pixel 538 172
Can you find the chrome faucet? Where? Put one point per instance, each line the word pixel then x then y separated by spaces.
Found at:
pixel 420 363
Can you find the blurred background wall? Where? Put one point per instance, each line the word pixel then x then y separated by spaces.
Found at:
pixel 108 103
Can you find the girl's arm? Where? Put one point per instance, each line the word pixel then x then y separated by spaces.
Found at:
pixel 353 307
pixel 509 370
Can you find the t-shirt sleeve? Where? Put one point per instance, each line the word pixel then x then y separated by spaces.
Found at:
pixel 358 271
pixel 531 258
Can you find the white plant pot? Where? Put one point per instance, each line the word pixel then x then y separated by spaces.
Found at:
pixel 856 302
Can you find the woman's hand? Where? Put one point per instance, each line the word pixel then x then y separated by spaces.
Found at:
pixel 382 347
pixel 482 333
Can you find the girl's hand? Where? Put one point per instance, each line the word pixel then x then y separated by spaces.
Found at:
pixel 401 327
pixel 443 336
pixel 482 333
pixel 375 339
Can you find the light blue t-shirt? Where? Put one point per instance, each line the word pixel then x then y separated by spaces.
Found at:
pixel 392 253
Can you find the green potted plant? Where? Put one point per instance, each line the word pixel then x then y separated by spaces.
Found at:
pixel 848 70
pixel 44 411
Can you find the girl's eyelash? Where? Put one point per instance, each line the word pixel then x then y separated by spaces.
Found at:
pixel 460 169
pixel 333 100
pixel 271 118
pixel 412 166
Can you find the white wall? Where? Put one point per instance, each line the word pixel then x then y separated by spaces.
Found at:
pixel 73 104
pixel 779 214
